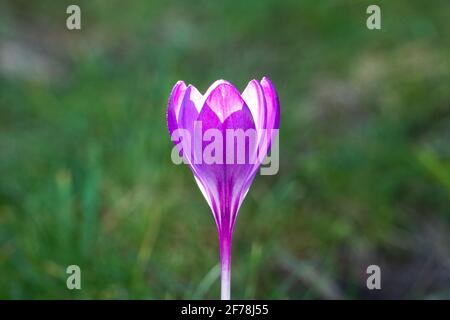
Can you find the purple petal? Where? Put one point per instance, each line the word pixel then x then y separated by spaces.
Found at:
pixel 225 181
pixel 253 96
pixel 223 100
pixel 187 115
pixel 273 104
pixel 175 100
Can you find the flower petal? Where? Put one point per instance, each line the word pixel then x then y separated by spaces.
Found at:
pixel 273 104
pixel 189 109
pixel 273 111
pixel 271 122
pixel 175 100
pixel 225 181
pixel 223 100
pixel 253 96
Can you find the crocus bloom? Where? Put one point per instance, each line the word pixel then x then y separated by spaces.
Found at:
pixel 202 120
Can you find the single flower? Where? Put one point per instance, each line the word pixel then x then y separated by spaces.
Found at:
pixel 224 136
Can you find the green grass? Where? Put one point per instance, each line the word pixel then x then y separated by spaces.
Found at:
pixel 85 170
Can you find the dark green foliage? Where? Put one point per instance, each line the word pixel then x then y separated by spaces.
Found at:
pixel 85 170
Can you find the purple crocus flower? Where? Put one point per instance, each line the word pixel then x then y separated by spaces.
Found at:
pixel 205 129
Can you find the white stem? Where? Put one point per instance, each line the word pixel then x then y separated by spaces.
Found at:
pixel 225 267
pixel 225 283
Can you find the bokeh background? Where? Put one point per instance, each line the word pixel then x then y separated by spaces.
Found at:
pixel 85 170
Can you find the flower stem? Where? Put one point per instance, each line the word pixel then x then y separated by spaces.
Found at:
pixel 225 267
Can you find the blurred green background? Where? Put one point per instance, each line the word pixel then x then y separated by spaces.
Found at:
pixel 85 170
